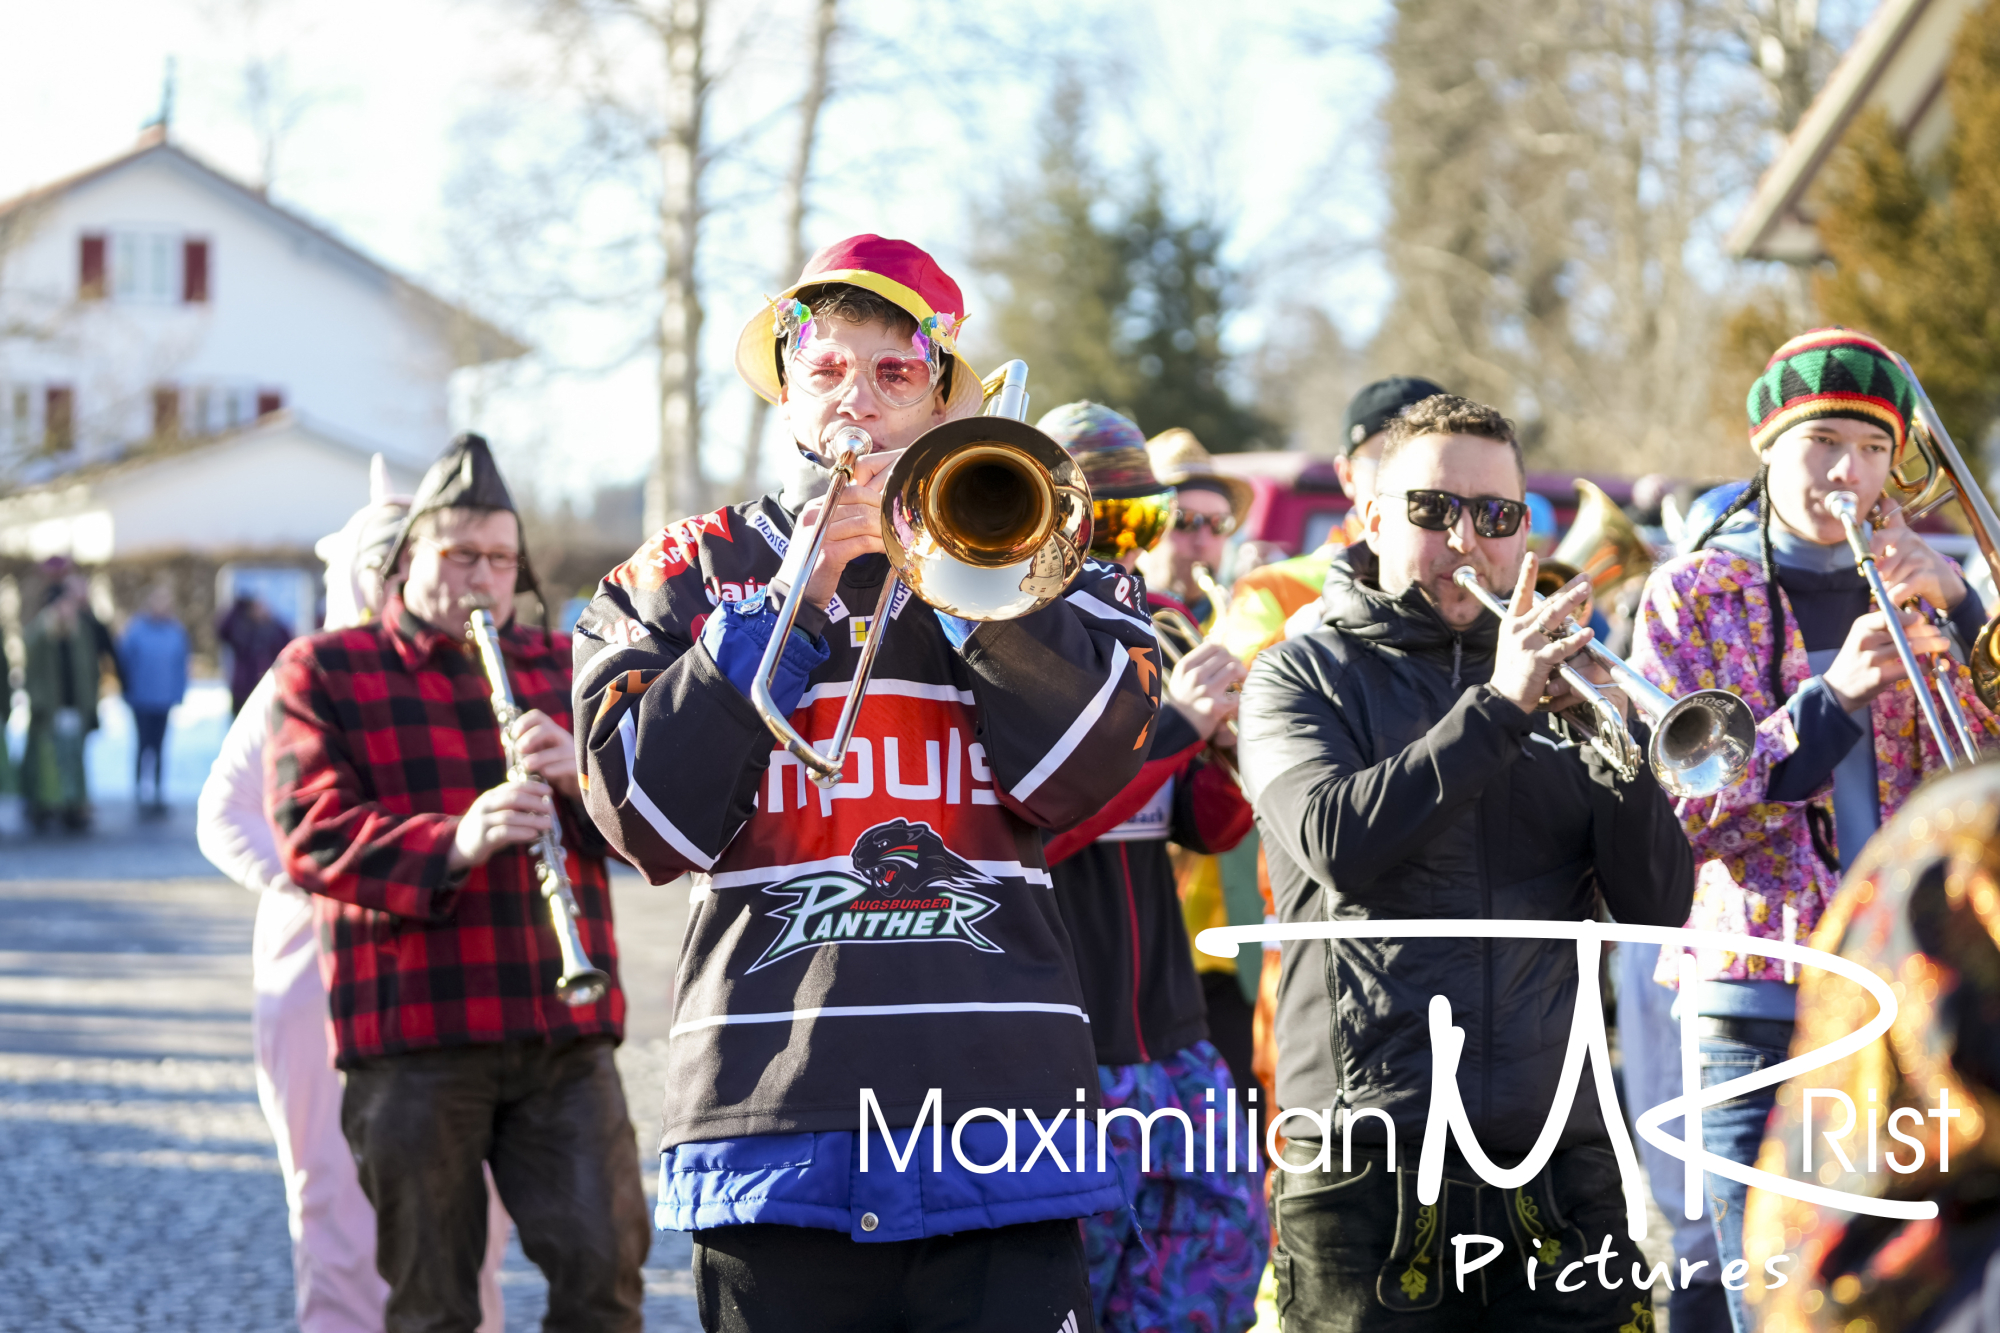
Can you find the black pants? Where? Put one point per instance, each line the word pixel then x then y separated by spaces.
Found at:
pixel 1357 1252
pixel 777 1279
pixel 1232 1019
pixel 552 1121
pixel 151 727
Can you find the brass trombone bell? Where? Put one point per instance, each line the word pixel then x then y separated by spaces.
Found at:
pixel 986 518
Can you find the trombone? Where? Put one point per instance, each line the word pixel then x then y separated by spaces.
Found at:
pixel 984 518
pixel 1944 477
pixel 1957 745
pixel 1701 743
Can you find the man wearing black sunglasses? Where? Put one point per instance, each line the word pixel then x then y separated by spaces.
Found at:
pixel 1402 763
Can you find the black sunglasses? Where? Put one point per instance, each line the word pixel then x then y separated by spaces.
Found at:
pixel 1438 511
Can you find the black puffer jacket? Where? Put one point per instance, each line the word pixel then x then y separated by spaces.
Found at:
pixel 1391 782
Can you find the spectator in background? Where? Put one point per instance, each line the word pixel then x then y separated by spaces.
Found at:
pixel 62 708
pixel 153 657
pixel 254 638
pixel 6 712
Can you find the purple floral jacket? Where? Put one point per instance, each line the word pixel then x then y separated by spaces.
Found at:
pixel 1705 623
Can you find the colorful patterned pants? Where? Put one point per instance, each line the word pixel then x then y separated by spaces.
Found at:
pixel 1187 1254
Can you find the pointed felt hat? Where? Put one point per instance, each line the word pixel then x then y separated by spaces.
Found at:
pixel 896 271
pixel 464 477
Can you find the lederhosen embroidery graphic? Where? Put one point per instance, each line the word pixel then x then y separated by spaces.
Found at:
pixel 1538 1225
pixel 1411 1279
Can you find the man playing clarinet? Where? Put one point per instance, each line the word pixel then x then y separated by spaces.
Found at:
pixel 388 787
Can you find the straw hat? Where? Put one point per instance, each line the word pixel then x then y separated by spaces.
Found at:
pixel 1180 461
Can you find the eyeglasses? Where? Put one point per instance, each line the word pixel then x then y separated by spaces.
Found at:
pixel 1439 511
pixel 826 369
pixel 1219 524
pixel 1119 527
pixel 465 557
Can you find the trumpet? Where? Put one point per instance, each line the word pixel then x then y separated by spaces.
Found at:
pixel 581 982
pixel 1177 631
pixel 985 519
pixel 1701 743
pixel 1956 746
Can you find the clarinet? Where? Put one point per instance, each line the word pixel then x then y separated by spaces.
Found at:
pixel 581 983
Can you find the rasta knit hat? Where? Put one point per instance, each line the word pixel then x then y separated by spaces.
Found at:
pixel 896 271
pixel 1107 446
pixel 1831 372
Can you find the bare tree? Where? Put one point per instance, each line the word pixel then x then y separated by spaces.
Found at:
pixel 826 23
pixel 1551 169
pixel 676 485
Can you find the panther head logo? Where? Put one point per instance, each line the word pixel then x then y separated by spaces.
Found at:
pixel 900 857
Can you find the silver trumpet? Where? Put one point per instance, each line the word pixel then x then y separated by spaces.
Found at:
pixel 1956 746
pixel 581 982
pixel 1701 743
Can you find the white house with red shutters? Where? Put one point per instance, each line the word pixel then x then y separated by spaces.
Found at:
pixel 161 320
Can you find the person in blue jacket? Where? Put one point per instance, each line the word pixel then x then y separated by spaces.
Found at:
pixel 153 657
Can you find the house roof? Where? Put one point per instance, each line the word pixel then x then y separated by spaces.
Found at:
pixel 281 424
pixel 1897 63
pixel 473 341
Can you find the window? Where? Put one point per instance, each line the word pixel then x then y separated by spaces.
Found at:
pixel 269 401
pixel 166 411
pixel 90 268
pixel 58 418
pixel 194 272
pixel 20 416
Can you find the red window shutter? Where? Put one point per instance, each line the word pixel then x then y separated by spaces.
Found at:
pixel 166 411
pixel 194 272
pixel 59 418
pixel 90 267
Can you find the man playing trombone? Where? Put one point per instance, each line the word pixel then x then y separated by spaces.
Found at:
pixel 887 946
pixel 1769 605
pixel 1403 764
pixel 387 782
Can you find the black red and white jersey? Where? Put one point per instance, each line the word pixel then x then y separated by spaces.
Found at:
pixel 1115 883
pixel 897 932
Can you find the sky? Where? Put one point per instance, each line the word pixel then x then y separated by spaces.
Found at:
pixel 1265 117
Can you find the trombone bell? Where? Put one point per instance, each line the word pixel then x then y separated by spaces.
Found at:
pixel 986 518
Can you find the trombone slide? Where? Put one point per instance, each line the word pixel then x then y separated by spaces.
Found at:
pixel 1844 506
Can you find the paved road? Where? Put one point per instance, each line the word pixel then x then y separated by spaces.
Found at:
pixel 142 1191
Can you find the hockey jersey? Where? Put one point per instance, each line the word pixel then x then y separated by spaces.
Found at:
pixel 897 932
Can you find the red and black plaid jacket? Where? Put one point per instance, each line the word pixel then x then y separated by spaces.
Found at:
pixel 381 736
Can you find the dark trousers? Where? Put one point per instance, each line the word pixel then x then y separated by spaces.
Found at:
pixel 1231 1019
pixel 552 1121
pixel 151 727
pixel 777 1279
pixel 1358 1253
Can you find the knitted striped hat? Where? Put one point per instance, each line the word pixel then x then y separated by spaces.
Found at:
pixel 1831 373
